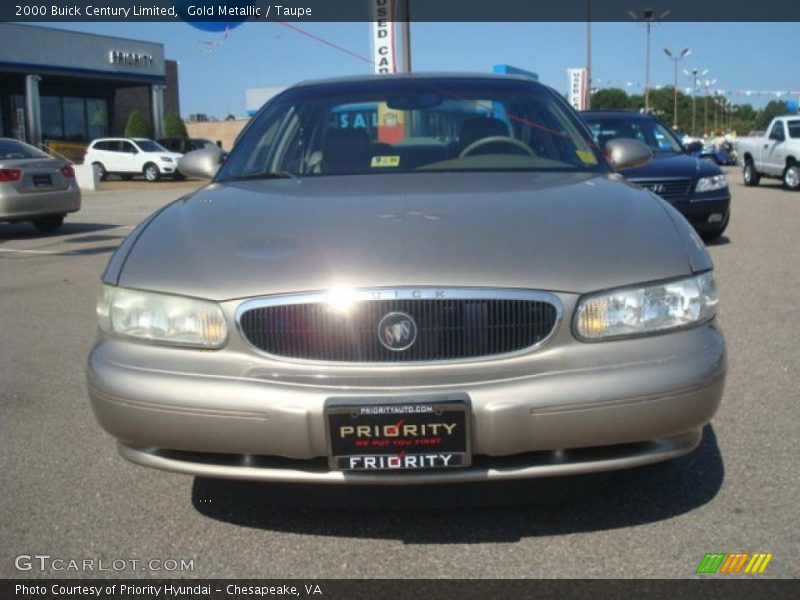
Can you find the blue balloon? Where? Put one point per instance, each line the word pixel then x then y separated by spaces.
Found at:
pixel 206 22
pixel 792 106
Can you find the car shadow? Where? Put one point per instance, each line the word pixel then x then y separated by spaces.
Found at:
pixel 722 240
pixel 472 513
pixel 22 231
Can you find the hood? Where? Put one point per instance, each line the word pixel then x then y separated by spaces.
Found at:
pixel 673 166
pixel 558 232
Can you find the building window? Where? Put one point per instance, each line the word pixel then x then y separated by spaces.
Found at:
pixel 52 119
pixel 74 119
pixel 97 117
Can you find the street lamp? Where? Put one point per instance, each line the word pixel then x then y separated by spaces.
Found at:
pixel 706 85
pixel 694 73
pixel 648 17
pixel 675 60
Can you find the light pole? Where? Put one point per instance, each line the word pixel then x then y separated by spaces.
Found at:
pixel 588 99
pixel 706 84
pixel 648 17
pixel 694 73
pixel 675 60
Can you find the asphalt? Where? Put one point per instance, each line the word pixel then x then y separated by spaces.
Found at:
pixel 66 493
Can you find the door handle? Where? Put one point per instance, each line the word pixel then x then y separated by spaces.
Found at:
pixel 766 145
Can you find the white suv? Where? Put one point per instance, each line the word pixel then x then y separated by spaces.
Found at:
pixel 127 157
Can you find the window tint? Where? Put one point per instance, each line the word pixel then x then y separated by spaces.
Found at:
pixel 10 149
pixel 777 131
pixel 647 131
pixel 794 128
pixel 458 125
pixel 149 146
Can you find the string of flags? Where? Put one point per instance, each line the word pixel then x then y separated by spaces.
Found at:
pixel 598 83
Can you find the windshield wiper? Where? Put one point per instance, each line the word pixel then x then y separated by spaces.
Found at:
pixel 266 175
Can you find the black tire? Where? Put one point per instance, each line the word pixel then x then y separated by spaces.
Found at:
pixel 49 224
pixel 750 175
pixel 151 172
pixel 126 176
pixel 103 172
pixel 791 176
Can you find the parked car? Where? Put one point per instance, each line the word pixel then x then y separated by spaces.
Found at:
pixel 697 188
pixel 776 155
pixel 35 187
pixel 127 157
pixel 184 145
pixel 721 154
pixel 461 290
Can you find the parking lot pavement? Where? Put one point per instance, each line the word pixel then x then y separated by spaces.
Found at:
pixel 66 493
pixel 117 184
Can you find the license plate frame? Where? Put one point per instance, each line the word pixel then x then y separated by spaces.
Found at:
pixel 42 180
pixel 395 439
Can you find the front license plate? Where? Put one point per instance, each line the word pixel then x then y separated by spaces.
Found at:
pixel 42 180
pixel 388 434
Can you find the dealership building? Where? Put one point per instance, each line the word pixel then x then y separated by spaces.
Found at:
pixel 70 86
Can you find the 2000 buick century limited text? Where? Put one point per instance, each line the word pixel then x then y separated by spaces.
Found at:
pixel 409 279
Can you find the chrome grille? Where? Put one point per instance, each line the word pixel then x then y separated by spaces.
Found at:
pixel 480 323
pixel 669 189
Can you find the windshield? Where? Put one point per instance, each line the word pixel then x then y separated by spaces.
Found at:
pixel 648 131
pixel 10 149
pixel 413 125
pixel 150 146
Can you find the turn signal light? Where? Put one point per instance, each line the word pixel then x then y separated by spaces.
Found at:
pixel 10 174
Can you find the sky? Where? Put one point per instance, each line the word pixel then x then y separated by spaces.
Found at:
pixel 739 56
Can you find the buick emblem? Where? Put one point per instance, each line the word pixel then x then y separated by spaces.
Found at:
pixel 397 331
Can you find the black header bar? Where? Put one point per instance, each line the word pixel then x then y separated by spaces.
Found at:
pixel 43 11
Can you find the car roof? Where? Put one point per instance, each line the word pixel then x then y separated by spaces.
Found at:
pixel 395 78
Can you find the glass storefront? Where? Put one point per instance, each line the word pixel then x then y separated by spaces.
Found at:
pixel 71 119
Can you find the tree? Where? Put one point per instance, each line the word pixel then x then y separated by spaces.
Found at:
pixel 610 98
pixel 174 126
pixel 230 117
pixel 774 109
pixel 137 125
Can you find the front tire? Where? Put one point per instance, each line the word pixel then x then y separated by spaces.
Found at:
pixel 49 224
pixel 151 173
pixel 750 175
pixel 791 177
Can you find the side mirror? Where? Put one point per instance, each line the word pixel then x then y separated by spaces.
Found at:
pixel 201 163
pixel 624 153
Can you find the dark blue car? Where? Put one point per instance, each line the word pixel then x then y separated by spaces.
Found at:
pixel 696 187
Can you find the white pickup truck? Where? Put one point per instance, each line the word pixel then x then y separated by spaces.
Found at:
pixel 777 154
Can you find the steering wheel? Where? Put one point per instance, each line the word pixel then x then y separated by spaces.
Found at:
pixel 494 139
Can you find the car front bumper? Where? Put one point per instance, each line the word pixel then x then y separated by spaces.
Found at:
pixel 708 211
pixel 15 206
pixel 561 410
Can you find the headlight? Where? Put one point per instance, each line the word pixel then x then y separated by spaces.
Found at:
pixel 161 318
pixel 710 184
pixel 166 158
pixel 644 310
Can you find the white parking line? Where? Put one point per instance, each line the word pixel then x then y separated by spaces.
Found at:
pixel 32 251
